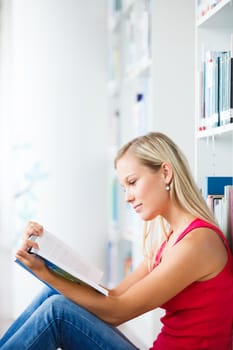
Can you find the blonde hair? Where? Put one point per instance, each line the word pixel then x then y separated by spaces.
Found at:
pixel 152 150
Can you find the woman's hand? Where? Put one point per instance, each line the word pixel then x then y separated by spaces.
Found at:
pixel 32 261
pixel 33 228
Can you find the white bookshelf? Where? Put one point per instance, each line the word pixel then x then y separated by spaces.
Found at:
pixel 214 145
pixel 158 62
pixel 129 79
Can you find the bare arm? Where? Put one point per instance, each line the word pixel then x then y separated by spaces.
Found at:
pixel 140 272
pixel 188 261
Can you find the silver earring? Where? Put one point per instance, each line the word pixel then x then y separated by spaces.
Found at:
pixel 167 187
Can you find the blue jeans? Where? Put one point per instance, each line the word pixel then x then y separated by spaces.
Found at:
pixel 52 321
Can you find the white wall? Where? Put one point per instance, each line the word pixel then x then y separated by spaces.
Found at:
pixel 54 125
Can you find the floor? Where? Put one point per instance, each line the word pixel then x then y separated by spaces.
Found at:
pixel 132 337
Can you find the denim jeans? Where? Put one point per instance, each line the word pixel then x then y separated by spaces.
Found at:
pixel 52 321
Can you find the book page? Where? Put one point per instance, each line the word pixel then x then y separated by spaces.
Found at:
pixel 53 249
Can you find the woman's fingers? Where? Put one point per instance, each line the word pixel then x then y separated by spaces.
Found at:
pixel 33 228
pixel 30 260
pixel 28 244
pixel 23 253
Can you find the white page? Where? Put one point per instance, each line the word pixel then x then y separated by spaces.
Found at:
pixel 56 251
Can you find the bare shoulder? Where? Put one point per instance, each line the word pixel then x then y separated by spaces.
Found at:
pixel 204 250
pixel 206 240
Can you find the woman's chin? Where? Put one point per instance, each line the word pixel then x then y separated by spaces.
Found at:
pixel 147 217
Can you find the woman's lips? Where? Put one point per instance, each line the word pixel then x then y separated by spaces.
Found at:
pixel 137 207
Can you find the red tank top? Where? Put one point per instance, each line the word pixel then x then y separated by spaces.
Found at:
pixel 201 316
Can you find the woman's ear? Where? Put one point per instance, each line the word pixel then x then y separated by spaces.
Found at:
pixel 167 172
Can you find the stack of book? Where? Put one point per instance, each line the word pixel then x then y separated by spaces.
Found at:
pixel 216 89
pixel 219 196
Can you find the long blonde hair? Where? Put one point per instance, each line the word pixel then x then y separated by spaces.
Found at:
pixel 152 150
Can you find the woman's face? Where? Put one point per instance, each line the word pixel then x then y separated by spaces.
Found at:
pixel 144 189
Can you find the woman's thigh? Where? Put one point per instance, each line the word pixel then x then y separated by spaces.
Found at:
pixel 44 294
pixel 60 323
pixel 80 329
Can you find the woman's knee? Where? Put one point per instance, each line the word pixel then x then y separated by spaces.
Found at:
pixel 59 307
pixel 56 301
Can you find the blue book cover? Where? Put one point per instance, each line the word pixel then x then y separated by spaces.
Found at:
pixel 215 184
pixel 29 270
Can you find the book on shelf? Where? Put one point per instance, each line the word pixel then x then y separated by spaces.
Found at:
pixel 66 262
pixel 214 202
pixel 215 184
pixel 216 89
pixel 231 216
pixel 218 193
pixel 231 82
pixel 227 214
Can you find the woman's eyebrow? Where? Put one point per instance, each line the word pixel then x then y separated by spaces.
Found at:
pixel 129 177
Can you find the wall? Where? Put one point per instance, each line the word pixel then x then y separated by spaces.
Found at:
pixel 53 126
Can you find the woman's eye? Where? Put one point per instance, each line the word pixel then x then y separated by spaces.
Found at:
pixel 132 182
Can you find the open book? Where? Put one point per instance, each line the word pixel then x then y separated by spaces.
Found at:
pixel 64 261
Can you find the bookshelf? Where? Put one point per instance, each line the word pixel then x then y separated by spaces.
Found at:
pixel 129 97
pixel 150 87
pixel 129 100
pixel 214 90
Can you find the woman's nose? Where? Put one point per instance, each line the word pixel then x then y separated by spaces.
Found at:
pixel 128 195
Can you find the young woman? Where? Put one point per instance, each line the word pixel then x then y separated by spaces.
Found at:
pixel 190 276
